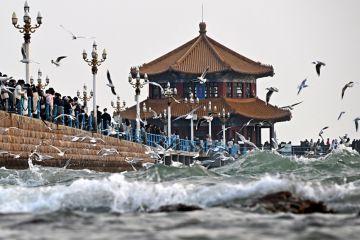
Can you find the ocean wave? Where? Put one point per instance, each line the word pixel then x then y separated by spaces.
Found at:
pixel 116 193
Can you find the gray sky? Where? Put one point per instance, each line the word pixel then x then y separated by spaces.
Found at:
pixel 286 34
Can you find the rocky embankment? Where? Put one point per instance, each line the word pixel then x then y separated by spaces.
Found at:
pixel 20 136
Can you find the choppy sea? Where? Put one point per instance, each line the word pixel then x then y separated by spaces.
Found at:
pixel 55 203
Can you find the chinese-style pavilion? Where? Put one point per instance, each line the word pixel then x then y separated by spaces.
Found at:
pixel 231 84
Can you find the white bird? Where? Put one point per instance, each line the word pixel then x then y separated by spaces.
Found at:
pixel 291 107
pixel 348 85
pixel 341 113
pixel 202 78
pixel 224 130
pixel 39 157
pixel 64 115
pixel 302 85
pixel 25 57
pixel 322 131
pixel 188 115
pixel 175 100
pixel 110 84
pixel 57 61
pixel 4 79
pixel 356 120
pixel 155 115
pixel 47 126
pixel 243 139
pixel 203 119
pixel 246 124
pixel 74 37
pixel 271 90
pixel 107 151
pixel 158 85
pixel 318 65
pixel 60 153
pixel 147 165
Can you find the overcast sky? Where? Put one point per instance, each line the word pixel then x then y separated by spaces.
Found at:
pixel 289 35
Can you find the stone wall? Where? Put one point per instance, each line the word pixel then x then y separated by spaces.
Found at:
pixel 20 135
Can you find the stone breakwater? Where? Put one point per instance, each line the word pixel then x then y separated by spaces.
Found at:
pixel 20 135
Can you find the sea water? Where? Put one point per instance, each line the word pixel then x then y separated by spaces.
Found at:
pixel 56 203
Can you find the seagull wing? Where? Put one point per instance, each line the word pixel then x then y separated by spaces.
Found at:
pixel 205 72
pixel 179 117
pixel 109 77
pixel 296 104
pixel 59 58
pixel 268 95
pixel 73 35
pixel 340 115
pixel 177 101
pixel 158 85
pixel 356 123
pixel 318 66
pixel 113 91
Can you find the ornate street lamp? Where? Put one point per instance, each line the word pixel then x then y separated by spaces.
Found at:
pixel 137 83
pixel 27 29
pixel 163 119
pixel 40 85
pixel 223 116
pixel 169 93
pixel 94 62
pixel 118 108
pixel 193 103
pixel 85 98
pixel 210 112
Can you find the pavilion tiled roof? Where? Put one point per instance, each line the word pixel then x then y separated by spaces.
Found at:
pixel 201 52
pixel 252 108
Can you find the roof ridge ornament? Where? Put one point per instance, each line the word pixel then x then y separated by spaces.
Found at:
pixel 202 27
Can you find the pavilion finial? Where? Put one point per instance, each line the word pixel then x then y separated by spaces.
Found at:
pixel 202 27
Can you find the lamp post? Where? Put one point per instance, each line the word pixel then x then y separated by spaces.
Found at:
pixel 40 85
pixel 223 116
pixel 85 98
pixel 137 83
pixel 193 102
pixel 118 108
pixel 210 112
pixel 145 111
pixel 94 62
pixel 169 93
pixel 27 29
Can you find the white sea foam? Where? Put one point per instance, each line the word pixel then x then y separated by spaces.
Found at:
pixel 121 195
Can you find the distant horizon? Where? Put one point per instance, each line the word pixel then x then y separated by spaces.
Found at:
pixel 287 35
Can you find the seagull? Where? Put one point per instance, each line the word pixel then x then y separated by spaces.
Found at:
pixel 65 115
pixel 356 123
pixel 147 165
pixel 25 57
pixel 4 78
pixel 39 157
pixel 110 84
pixel 47 126
pixel 74 37
pixel 271 90
pixel 318 65
pixel 155 116
pixel 203 119
pixel 133 161
pixel 107 151
pixel 57 61
pixel 158 85
pixel 302 85
pixel 224 130
pixel 246 124
pixel 188 115
pixel 60 153
pixel 202 78
pixel 341 113
pixel 243 139
pixel 322 131
pixel 291 107
pixel 349 84
pixel 175 100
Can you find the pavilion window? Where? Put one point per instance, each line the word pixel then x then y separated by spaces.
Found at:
pixel 212 89
pixel 247 90
pixel 187 89
pixel 238 90
pixel 229 89
pixel 155 92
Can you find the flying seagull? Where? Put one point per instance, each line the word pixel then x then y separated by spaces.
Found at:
pixel 74 37
pixel 341 113
pixel 25 57
pixel 224 130
pixel 318 65
pixel 302 85
pixel 243 139
pixel 203 119
pixel 291 107
pixel 64 115
pixel 349 84
pixel 188 115
pixel 110 84
pixel 271 90
pixel 155 115
pixel 57 61
pixel 356 120
pixel 246 124
pixel 158 85
pixel 322 131
pixel 202 78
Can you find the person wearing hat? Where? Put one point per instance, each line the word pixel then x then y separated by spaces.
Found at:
pixel 106 119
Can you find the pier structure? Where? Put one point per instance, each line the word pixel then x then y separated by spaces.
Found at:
pixel 230 86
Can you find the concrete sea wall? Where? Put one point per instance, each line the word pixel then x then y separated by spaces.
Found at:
pixel 20 135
